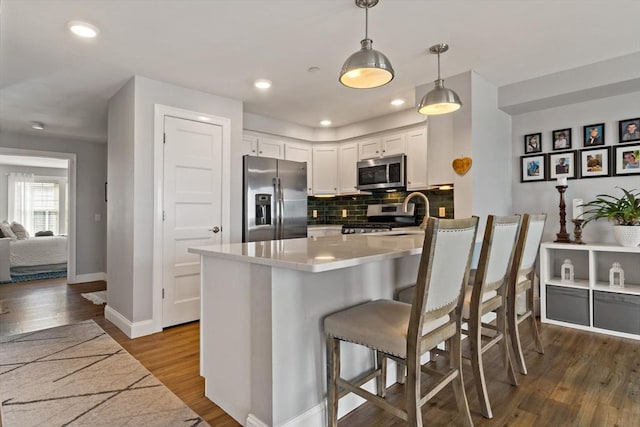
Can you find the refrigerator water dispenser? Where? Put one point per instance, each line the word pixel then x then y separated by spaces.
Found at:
pixel 263 209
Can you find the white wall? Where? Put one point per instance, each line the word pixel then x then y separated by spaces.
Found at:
pixel 542 196
pixel 91 176
pixel 131 120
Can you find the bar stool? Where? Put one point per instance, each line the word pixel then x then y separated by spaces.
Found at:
pixel 403 332
pixel 521 285
pixel 488 294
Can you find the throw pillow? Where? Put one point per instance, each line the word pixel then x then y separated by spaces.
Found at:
pixel 6 230
pixel 44 233
pixel 19 230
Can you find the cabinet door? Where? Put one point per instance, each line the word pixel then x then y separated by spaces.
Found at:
pixel 348 159
pixel 301 153
pixel 417 159
pixel 268 147
pixel 369 149
pixel 325 172
pixel 394 144
pixel 249 145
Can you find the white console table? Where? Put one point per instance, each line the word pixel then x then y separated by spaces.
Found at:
pixel 588 302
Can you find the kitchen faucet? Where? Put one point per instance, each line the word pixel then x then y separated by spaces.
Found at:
pixel 426 203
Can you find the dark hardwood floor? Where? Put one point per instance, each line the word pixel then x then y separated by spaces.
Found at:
pixel 583 379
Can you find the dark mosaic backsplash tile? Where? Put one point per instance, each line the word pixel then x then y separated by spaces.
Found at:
pixel 330 210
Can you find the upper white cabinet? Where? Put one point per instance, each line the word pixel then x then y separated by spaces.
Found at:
pixel 417 177
pixel 301 153
pixel 325 172
pixel 262 146
pixel 348 159
pixel 389 145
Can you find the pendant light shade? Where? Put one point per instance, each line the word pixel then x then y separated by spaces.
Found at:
pixel 439 100
pixel 367 68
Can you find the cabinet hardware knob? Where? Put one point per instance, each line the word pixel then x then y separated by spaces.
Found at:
pixel 216 229
pixel 261 152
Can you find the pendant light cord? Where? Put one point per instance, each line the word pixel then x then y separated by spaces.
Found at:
pixel 366 22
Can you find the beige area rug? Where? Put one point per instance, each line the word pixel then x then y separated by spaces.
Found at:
pixel 98 298
pixel 77 375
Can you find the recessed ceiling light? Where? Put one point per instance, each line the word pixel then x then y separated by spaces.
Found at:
pixel 37 125
pixel 262 84
pixel 325 122
pixel 397 102
pixel 83 29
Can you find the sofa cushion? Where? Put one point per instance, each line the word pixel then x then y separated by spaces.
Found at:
pixel 19 230
pixel 7 231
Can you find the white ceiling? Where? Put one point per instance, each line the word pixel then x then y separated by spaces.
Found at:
pixel 222 46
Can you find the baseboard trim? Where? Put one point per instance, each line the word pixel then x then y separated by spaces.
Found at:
pixel 253 421
pixel 90 277
pixel 131 329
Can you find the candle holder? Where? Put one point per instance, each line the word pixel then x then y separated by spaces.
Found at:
pixel 577 231
pixel 562 236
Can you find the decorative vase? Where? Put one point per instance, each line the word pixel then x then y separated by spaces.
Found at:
pixel 627 235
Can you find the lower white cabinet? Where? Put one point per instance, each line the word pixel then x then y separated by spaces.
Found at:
pixel 588 301
pixel 325 172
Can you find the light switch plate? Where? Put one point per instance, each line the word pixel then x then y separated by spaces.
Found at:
pixel 442 211
pixel 315 213
pixel 344 213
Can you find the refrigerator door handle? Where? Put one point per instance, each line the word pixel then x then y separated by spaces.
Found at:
pixel 280 201
pixel 276 208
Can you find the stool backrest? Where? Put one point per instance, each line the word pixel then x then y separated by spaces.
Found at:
pixel 444 269
pixel 496 255
pixel 529 242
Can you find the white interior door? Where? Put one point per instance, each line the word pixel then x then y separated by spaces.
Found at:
pixel 192 211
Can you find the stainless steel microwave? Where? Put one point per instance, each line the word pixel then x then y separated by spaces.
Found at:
pixel 386 173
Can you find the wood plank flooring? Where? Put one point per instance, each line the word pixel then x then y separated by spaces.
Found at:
pixel 583 379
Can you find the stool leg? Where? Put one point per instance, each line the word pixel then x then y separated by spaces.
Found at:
pixel 381 361
pixel 514 333
pixel 532 317
pixel 478 367
pixel 501 322
pixel 333 373
pixel 455 361
pixel 414 413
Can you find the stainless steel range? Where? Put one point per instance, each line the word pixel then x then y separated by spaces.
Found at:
pixel 384 217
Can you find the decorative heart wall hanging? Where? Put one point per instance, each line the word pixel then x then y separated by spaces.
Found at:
pixel 461 165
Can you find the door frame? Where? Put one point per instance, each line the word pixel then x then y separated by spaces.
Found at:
pixel 160 111
pixel 71 174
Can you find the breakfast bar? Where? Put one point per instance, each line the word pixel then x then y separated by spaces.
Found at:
pixel 262 344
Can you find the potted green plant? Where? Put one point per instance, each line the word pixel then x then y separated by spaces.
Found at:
pixel 623 210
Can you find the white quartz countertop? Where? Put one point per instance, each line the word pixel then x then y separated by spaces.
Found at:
pixel 316 254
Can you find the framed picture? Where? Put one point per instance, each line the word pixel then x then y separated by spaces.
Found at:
pixel 532 168
pixel 595 162
pixel 593 135
pixel 533 143
pixel 627 159
pixel 629 130
pixel 561 139
pixel 562 164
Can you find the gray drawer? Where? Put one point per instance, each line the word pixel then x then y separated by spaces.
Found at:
pixel 616 312
pixel 568 305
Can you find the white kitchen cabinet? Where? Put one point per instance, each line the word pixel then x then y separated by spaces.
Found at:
pixel 369 148
pixel 587 301
pixel 347 168
pixel 395 144
pixel 417 177
pixel 262 146
pixel 325 171
pixel 301 153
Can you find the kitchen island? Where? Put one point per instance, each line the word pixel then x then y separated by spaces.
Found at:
pixel 263 304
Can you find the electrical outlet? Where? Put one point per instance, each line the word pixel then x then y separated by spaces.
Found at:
pixel 97 217
pixel 315 213
pixel 344 213
pixel 442 211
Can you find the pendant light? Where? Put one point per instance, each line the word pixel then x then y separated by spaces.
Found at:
pixel 367 68
pixel 440 100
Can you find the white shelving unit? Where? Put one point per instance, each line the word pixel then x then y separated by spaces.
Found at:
pixel 589 303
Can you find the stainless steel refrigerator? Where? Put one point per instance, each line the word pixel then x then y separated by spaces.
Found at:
pixel 275 199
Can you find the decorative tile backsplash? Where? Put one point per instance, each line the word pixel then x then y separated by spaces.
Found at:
pixel 329 210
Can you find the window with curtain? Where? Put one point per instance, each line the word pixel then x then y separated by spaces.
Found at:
pixel 39 203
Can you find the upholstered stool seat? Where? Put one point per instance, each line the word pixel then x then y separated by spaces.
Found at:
pixel 381 325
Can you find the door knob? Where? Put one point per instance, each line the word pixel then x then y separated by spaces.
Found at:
pixel 216 229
